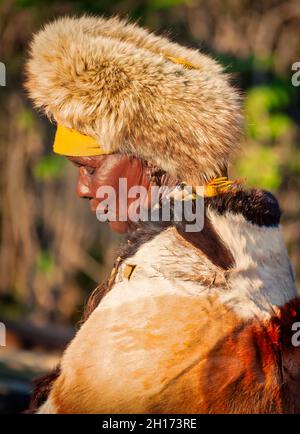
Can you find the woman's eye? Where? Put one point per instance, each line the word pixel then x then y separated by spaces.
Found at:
pixel 90 170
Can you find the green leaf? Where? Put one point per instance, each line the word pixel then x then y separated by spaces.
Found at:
pixel 161 4
pixel 280 124
pixel 44 262
pixel 264 112
pixel 260 168
pixel 263 63
pixel 268 97
pixel 293 163
pixel 24 4
pixel 25 119
pixel 50 167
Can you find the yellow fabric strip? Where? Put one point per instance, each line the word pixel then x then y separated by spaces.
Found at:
pixel 220 186
pixel 128 271
pixel 214 188
pixel 185 63
pixel 71 143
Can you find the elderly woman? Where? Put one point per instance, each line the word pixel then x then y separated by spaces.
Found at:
pixel 190 321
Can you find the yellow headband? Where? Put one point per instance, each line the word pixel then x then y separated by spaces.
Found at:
pixel 73 144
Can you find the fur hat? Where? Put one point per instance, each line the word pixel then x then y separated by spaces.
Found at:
pixel 137 94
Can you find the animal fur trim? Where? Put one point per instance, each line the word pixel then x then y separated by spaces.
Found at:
pixel 118 83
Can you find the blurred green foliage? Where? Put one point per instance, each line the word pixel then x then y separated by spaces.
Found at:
pixel 160 4
pixel 50 167
pixel 25 119
pixel 44 262
pixel 265 119
pixel 260 167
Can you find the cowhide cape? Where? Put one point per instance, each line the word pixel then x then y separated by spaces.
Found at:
pixel 205 323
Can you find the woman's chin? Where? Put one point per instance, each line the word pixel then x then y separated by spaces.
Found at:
pixel 120 227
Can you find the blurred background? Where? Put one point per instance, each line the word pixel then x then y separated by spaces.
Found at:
pixel 53 251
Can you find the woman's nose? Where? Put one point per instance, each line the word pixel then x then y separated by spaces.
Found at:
pixel 83 186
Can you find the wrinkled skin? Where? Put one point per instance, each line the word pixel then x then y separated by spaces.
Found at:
pixel 105 170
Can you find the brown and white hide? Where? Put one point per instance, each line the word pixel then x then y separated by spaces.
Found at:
pixel 191 331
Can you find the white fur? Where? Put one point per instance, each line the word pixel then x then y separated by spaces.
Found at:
pixel 261 280
pixel 263 277
pixel 155 275
pixel 47 408
pixel 161 324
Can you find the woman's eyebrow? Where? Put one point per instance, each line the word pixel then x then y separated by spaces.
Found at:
pixel 84 161
pixel 78 161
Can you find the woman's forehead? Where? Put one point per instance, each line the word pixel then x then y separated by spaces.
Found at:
pixel 99 160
